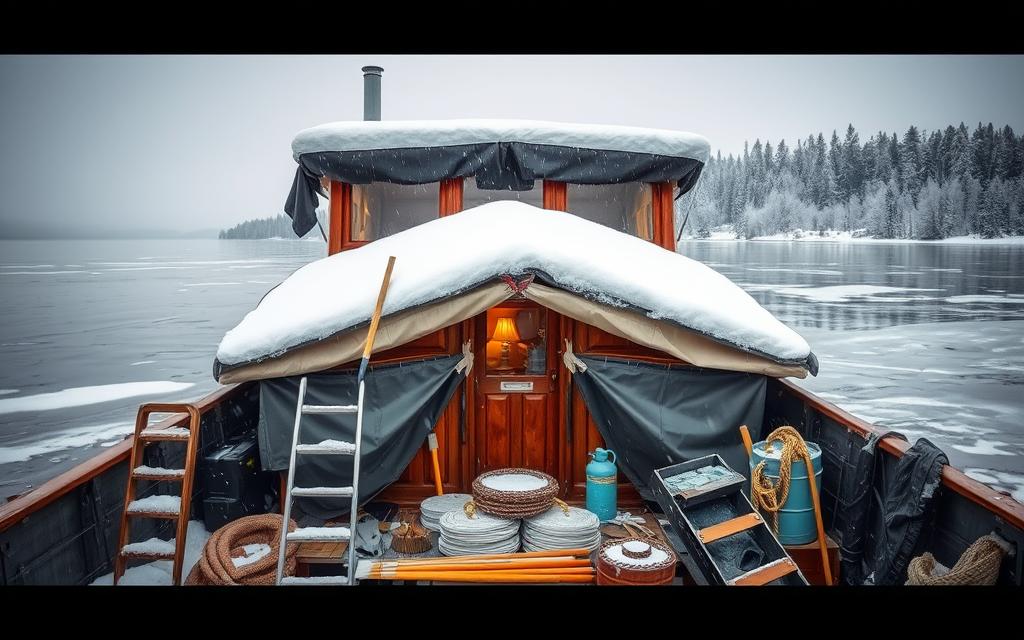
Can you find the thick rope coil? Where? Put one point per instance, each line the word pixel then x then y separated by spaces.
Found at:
pixel 768 496
pixel 215 566
pixel 979 565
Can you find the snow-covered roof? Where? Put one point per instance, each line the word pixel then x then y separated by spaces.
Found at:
pixel 454 254
pixel 404 134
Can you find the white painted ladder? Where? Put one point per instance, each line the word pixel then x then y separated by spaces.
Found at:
pixel 335 448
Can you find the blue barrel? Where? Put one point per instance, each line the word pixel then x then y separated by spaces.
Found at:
pixel 796 518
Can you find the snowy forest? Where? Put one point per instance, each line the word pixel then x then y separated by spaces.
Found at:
pixel 923 185
pixel 279 226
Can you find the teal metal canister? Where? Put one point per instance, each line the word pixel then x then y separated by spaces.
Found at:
pixel 796 517
pixel 602 484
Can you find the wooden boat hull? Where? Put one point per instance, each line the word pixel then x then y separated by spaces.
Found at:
pixel 65 531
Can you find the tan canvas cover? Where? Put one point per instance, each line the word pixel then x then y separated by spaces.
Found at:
pixel 412 324
pixel 657 334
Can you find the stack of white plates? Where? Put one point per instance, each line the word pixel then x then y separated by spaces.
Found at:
pixel 462 535
pixel 556 529
pixel 434 507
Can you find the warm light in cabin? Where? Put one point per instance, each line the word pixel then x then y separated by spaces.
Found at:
pixel 505 332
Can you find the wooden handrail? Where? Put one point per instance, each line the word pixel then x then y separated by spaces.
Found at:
pixel 1002 505
pixel 20 508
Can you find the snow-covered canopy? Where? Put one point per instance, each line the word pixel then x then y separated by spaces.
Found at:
pixel 406 134
pixel 465 252
pixel 497 154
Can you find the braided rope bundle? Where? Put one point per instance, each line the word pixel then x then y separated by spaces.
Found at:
pixel 768 496
pixel 979 565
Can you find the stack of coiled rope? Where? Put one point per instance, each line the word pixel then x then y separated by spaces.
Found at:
pixel 215 566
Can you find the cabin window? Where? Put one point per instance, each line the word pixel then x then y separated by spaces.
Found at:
pixel 516 342
pixel 382 209
pixel 624 207
pixel 474 197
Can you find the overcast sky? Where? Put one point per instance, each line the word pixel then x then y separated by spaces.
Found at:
pixel 190 142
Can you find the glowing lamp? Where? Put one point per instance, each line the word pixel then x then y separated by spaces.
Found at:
pixel 505 332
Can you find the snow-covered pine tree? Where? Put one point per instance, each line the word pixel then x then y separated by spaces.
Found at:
pixel 910 163
pixel 853 165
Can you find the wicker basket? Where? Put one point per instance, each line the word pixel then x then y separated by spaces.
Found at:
pixel 514 504
pixel 625 562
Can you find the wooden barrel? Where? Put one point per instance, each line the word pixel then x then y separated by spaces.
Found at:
pixel 635 562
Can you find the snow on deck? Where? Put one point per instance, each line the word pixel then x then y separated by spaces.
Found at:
pixel 152 546
pixel 449 254
pixel 155 504
pixel 158 572
pixel 404 134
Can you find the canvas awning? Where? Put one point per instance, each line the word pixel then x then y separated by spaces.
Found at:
pixel 499 154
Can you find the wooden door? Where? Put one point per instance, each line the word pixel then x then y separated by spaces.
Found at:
pixel 516 398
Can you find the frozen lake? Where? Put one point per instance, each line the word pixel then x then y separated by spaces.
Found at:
pixel 928 339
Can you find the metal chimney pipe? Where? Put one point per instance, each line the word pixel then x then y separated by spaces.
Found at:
pixel 371 92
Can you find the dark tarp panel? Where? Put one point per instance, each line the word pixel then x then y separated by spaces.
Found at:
pixel 856 497
pixel 496 165
pixel 908 511
pixel 402 404
pixel 653 416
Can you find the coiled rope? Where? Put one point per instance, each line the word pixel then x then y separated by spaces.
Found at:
pixel 769 497
pixel 979 565
pixel 215 566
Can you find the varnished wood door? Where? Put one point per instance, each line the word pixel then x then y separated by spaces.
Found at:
pixel 516 427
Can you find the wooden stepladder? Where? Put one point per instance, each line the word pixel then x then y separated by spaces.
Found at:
pixel 163 507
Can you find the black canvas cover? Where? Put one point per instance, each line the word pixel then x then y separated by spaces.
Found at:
pixel 495 165
pixel 653 416
pixel 907 510
pixel 402 404
pixel 856 497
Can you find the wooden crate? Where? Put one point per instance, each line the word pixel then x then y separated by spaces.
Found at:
pixel 808 558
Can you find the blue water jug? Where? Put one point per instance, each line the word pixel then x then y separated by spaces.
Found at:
pixel 602 484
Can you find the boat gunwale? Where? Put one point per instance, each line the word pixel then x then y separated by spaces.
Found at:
pixel 53 489
pixel 1000 504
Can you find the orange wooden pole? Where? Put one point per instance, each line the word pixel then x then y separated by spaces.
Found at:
pixel 822 542
pixel 432 443
pixel 531 564
pixel 493 576
pixel 551 553
pixel 747 443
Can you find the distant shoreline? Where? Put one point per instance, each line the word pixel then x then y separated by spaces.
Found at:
pixel 844 237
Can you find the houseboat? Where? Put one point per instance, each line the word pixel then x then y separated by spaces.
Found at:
pixel 538 310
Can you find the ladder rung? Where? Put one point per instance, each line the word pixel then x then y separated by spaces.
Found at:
pixel 729 527
pixel 318 534
pixel 152 549
pixel 170 433
pixel 765 573
pixel 313 580
pixel 156 507
pixel 322 492
pixel 329 408
pixel 158 473
pixel 327 448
